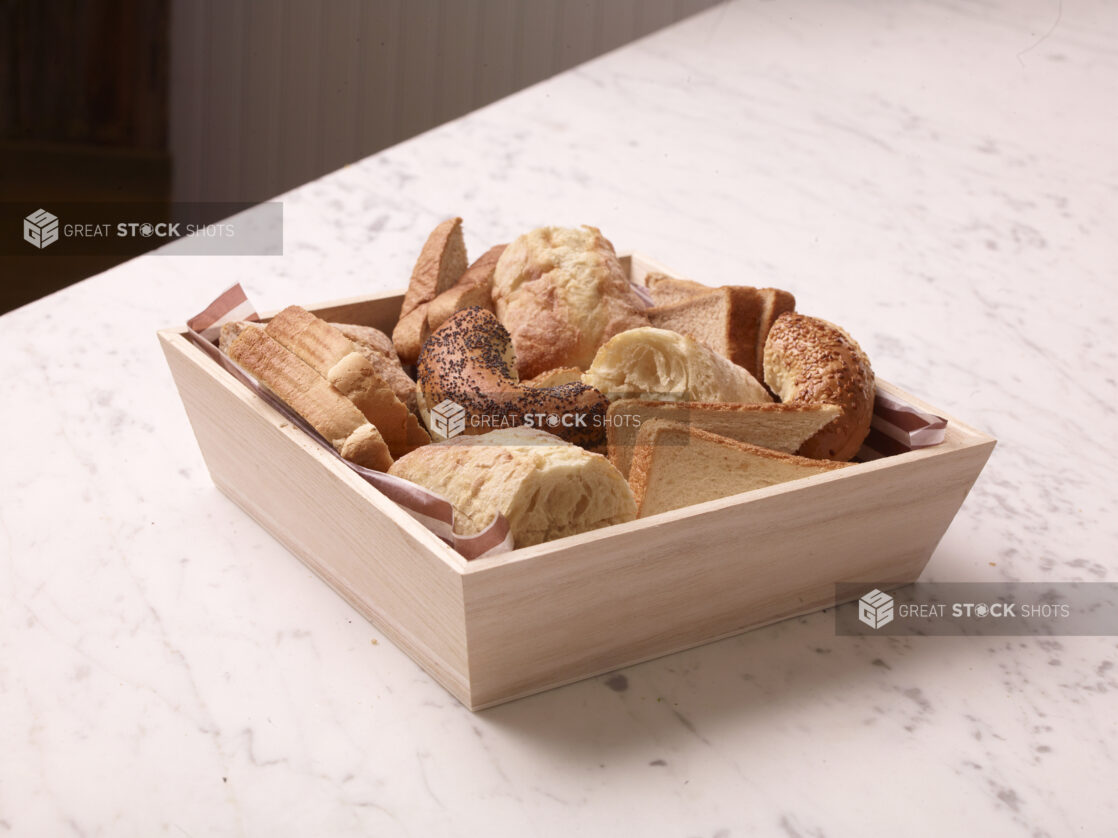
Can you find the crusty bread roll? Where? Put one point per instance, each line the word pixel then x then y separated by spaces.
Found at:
pixel 311 396
pixel 667 366
pixel 470 361
pixel 545 487
pixel 562 293
pixel 781 427
pixel 678 465
pixel 811 361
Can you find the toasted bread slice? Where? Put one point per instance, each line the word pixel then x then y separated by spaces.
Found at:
pixel 441 262
pixel 335 357
pixel 474 288
pixel 774 303
pixel 780 427
pixel 676 465
pixel 726 320
pixel 312 397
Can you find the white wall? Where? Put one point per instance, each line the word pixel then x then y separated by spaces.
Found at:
pixel 268 94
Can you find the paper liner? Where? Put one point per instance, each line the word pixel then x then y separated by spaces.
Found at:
pixel 896 427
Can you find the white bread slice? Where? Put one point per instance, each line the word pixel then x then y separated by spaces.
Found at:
pixel 312 397
pixel 675 466
pixel 335 357
pixel 780 427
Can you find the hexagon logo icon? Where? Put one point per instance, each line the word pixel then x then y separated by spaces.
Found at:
pixel 448 419
pixel 40 228
pixel 875 609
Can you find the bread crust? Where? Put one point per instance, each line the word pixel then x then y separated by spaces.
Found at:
pixel 809 360
pixel 470 361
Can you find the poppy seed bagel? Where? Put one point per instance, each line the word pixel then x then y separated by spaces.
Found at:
pixel 470 361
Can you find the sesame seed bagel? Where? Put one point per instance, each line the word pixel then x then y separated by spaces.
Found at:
pixel 811 361
pixel 470 360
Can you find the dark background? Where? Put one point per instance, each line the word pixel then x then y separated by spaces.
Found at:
pixel 160 101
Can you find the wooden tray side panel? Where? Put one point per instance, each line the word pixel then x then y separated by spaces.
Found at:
pixel 632 596
pixel 397 582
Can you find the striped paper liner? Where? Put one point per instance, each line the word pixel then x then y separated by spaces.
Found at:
pixel 432 510
pixel 896 427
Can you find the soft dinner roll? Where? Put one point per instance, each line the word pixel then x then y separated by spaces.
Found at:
pixel 667 366
pixel 545 487
pixel 811 361
pixel 470 361
pixel 562 293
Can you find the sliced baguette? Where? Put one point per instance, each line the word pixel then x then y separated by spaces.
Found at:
pixel 781 427
pixel 377 347
pixel 335 357
pixel 312 397
pixel 676 465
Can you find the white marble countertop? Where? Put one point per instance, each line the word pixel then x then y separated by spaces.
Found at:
pixel 940 178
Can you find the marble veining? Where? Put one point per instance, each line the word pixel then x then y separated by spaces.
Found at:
pixel 938 177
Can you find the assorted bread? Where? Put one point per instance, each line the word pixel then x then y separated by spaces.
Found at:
pixel 542 353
